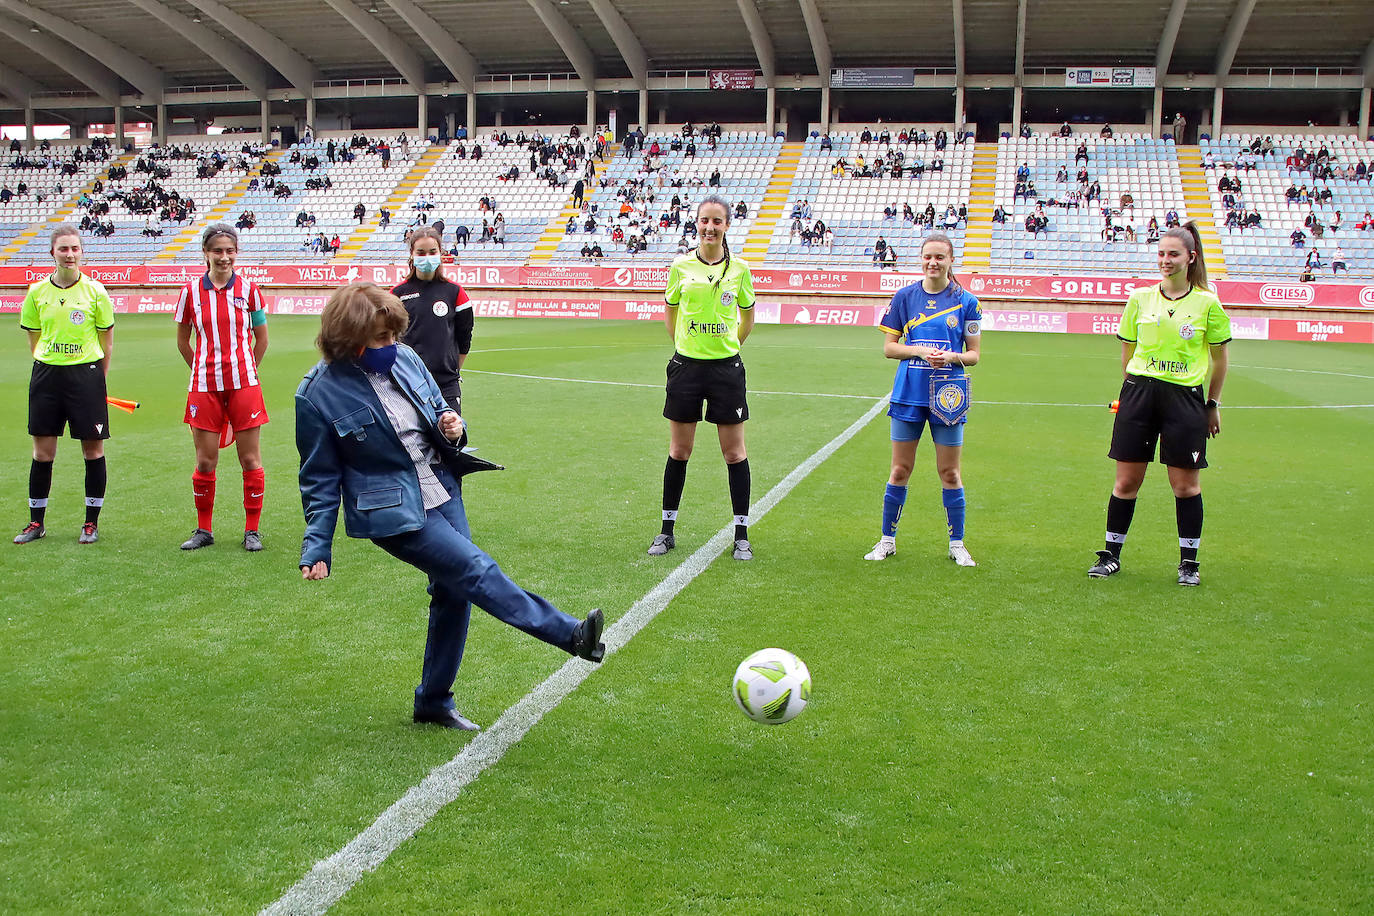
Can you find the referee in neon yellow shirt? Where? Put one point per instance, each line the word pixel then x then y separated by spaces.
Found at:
pixel 70 322
pixel 1173 344
pixel 710 298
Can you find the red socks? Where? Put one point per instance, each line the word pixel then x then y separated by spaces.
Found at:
pixel 203 489
pixel 254 485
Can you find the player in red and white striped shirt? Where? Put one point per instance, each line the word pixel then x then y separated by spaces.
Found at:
pixel 227 317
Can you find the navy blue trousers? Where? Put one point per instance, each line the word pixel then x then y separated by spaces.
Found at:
pixel 461 575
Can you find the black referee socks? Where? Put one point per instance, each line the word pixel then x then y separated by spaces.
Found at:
pixel 1189 514
pixel 674 479
pixel 95 488
pixel 40 485
pixel 739 496
pixel 1119 514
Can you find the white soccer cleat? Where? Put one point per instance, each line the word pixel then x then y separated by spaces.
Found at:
pixel 885 548
pixel 959 554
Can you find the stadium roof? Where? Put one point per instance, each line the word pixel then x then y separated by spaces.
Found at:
pixel 145 47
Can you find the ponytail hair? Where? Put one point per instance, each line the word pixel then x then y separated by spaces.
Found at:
pixel 942 239
pixel 1192 243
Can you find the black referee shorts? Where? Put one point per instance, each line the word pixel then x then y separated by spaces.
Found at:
pixel 1153 411
pixel 718 382
pixel 74 396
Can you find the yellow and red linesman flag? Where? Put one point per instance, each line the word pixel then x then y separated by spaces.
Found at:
pixel 122 404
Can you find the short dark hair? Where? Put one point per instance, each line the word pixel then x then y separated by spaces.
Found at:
pixel 351 316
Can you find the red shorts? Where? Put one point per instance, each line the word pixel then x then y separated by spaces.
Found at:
pixel 239 408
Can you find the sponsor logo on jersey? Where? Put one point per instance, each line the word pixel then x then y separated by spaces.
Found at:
pixel 410 296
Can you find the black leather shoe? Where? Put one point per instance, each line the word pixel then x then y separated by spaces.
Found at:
pixel 586 637
pixel 448 718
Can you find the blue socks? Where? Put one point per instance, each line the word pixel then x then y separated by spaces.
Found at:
pixel 894 498
pixel 954 512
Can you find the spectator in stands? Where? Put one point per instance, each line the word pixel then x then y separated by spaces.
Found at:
pixel 1062 175
pixel 950 220
pixel 890 211
pixel 941 139
pixel 928 216
pixel 1109 229
pixel 498 231
pixel 359 212
pixel 826 143
pixel 1337 222
pixel 741 210
pixel 384 218
pixel 150 229
pixel 1298 238
pixel 1023 173
pixel 1025 131
pixel 1361 171
pixel 1209 160
pixel 889 259
pixel 282 190
pixel 1324 195
pixel 1291 195
pixel 866 136
pixel 1107 130
pixel 1338 261
pixel 908 214
pixel 1177 128
pixel 879 249
pixel 335 244
pixel 1037 223
pixel 1152 231
pixel 461 233
pixel 999 215
pixel 1082 177
pixel 1094 191
pixel 1314 259
pixel 1366 223
pixel 1081 154
pixel 1065 130
pixel 586 251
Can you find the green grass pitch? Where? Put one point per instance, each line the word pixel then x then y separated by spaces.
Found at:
pixel 190 733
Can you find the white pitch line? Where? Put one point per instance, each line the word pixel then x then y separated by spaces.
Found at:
pixel 865 397
pixel 331 878
pixel 592 381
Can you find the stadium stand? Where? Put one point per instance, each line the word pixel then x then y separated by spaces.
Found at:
pixel 1138 178
pixel 456 185
pixel 1268 251
pixel 276 236
pixel 164 190
pixel 831 184
pixel 633 200
pixel 51 181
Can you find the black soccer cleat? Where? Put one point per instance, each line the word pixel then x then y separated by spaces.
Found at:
pixel 32 532
pixel 662 544
pixel 586 637
pixel 198 539
pixel 252 541
pixel 89 534
pixel 1188 573
pixel 1106 565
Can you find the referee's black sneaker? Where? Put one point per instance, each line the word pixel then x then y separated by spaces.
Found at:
pixel 1187 573
pixel 198 539
pixel 252 541
pixel 89 534
pixel 32 532
pixel 1106 565
pixel 661 545
pixel 743 550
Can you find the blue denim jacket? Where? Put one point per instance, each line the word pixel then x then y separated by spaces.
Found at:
pixel 351 454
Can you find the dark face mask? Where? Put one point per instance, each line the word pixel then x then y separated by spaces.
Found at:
pixel 378 359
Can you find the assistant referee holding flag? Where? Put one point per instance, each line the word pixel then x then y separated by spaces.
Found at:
pixel 70 322
pixel 1173 343
pixel 710 312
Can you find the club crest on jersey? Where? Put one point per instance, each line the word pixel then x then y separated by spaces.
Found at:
pixel 1186 331
pixel 952 321
pixel 78 317
pixel 440 309
pixel 727 298
pixel 240 302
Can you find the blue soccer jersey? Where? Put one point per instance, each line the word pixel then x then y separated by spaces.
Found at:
pixel 946 320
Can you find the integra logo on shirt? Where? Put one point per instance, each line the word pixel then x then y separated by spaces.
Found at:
pixel 713 328
pixel 1177 367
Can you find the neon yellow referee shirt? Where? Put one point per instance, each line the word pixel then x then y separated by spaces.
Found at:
pixel 1171 336
pixel 68 321
pixel 708 305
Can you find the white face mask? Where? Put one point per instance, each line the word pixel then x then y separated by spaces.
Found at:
pixel 427 263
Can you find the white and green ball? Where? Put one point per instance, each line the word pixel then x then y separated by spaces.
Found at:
pixel 772 686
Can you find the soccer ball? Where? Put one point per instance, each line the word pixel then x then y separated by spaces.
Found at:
pixel 772 686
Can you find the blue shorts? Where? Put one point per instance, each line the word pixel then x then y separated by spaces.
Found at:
pixel 910 430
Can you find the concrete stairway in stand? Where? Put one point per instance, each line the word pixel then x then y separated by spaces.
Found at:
pixel 1198 197
pixel 774 203
pixel 350 248
pixel 977 254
